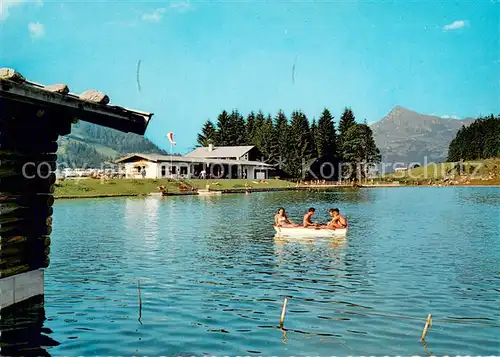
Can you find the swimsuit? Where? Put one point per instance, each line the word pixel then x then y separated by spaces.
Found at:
pixel 282 220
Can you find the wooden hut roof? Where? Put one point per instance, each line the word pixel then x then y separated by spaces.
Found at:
pixel 91 106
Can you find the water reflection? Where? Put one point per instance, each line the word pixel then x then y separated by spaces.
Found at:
pixel 333 243
pixel 22 331
pixel 141 216
pixel 151 221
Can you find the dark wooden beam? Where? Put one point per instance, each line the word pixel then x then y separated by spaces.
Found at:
pixel 76 108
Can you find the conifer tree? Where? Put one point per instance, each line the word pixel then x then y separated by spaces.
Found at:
pixel 236 129
pixel 346 121
pixel 360 149
pixel 270 141
pixel 326 165
pixel 208 134
pixel 326 136
pixel 223 129
pixel 249 129
pixel 314 142
pixel 282 134
pixel 301 150
pixel 258 130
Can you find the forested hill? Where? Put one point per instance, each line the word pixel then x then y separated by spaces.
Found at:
pixel 480 140
pixel 91 145
pixel 297 147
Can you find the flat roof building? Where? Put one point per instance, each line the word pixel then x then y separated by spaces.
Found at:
pixel 205 162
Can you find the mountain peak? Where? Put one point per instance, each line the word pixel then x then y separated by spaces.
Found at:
pixel 400 110
pixel 404 135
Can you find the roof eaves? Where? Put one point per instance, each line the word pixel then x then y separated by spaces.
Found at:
pixel 116 117
pixel 144 156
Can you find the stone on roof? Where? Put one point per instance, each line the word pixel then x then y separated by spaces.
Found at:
pixel 11 75
pixel 58 88
pixel 95 96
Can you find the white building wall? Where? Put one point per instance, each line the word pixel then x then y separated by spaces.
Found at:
pixel 154 170
pixel 132 172
pixel 250 172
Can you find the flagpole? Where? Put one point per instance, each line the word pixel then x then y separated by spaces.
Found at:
pixel 170 137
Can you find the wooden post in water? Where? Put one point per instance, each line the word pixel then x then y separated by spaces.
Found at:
pixel 140 299
pixel 428 322
pixel 283 312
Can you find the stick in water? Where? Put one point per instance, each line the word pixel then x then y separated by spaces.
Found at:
pixel 428 323
pixel 140 300
pixel 283 311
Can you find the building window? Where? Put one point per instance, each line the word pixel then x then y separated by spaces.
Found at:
pixel 163 171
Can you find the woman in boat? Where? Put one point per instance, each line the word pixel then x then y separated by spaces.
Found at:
pixel 281 219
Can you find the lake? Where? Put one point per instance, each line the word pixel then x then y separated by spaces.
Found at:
pixel 213 276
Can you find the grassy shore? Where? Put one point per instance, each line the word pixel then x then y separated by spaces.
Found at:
pixel 474 173
pixel 480 173
pixel 87 187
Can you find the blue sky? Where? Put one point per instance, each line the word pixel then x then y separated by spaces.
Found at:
pixel 198 58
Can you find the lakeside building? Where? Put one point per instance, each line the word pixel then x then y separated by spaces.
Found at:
pixel 219 162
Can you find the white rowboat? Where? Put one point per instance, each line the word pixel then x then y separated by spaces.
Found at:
pixel 209 193
pixel 310 232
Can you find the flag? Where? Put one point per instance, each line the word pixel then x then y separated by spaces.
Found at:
pixel 171 138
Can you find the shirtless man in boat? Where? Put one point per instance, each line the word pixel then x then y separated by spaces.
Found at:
pixel 308 219
pixel 338 221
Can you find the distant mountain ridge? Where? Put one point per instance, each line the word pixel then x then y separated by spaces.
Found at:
pixel 405 136
pixel 91 145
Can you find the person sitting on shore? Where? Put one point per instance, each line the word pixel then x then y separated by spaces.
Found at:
pixel 281 219
pixel 307 222
pixel 337 221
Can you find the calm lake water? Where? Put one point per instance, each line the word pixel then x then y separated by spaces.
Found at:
pixel 213 275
